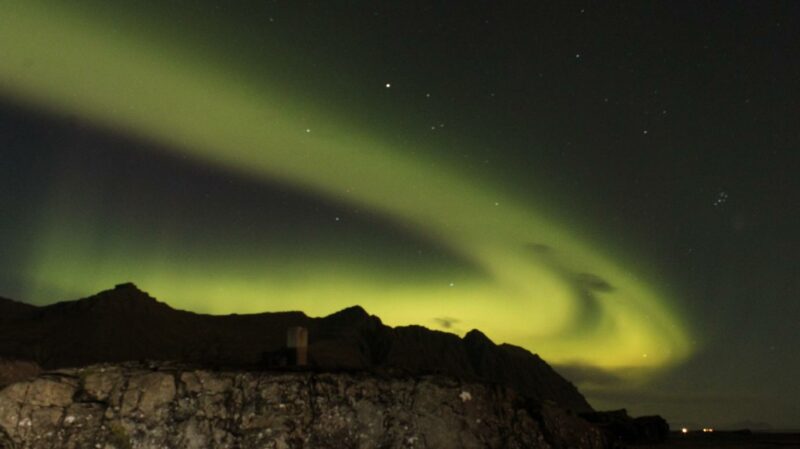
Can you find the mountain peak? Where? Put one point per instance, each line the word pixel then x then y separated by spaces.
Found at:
pixel 125 290
pixel 353 310
pixel 125 296
pixel 350 314
pixel 126 286
pixel 477 337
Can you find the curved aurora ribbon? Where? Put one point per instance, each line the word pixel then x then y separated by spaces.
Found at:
pixel 535 296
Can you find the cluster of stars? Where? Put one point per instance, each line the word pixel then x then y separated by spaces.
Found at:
pixel 722 198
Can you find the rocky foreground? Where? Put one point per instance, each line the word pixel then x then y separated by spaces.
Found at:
pixel 132 406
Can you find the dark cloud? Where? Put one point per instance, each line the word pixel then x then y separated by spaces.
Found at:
pixel 446 322
pixel 594 282
pixel 540 248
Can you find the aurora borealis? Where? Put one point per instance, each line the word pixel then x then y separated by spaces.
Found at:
pixel 229 163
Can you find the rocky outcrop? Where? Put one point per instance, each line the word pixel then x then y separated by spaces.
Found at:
pixel 132 406
pixel 12 371
pixel 527 373
pixel 621 427
pixel 126 324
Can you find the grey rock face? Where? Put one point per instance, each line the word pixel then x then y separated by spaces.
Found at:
pixel 132 406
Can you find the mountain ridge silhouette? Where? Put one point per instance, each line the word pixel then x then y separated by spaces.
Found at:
pixel 127 324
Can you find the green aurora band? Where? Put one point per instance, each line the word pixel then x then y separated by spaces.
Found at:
pixel 211 113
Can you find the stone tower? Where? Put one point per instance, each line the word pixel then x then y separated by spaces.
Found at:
pixel 297 342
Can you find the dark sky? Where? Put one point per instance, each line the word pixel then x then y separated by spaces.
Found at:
pixel 613 186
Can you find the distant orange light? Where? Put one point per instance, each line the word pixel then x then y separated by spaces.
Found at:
pixel 684 430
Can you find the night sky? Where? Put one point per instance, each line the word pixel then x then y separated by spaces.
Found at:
pixel 612 186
